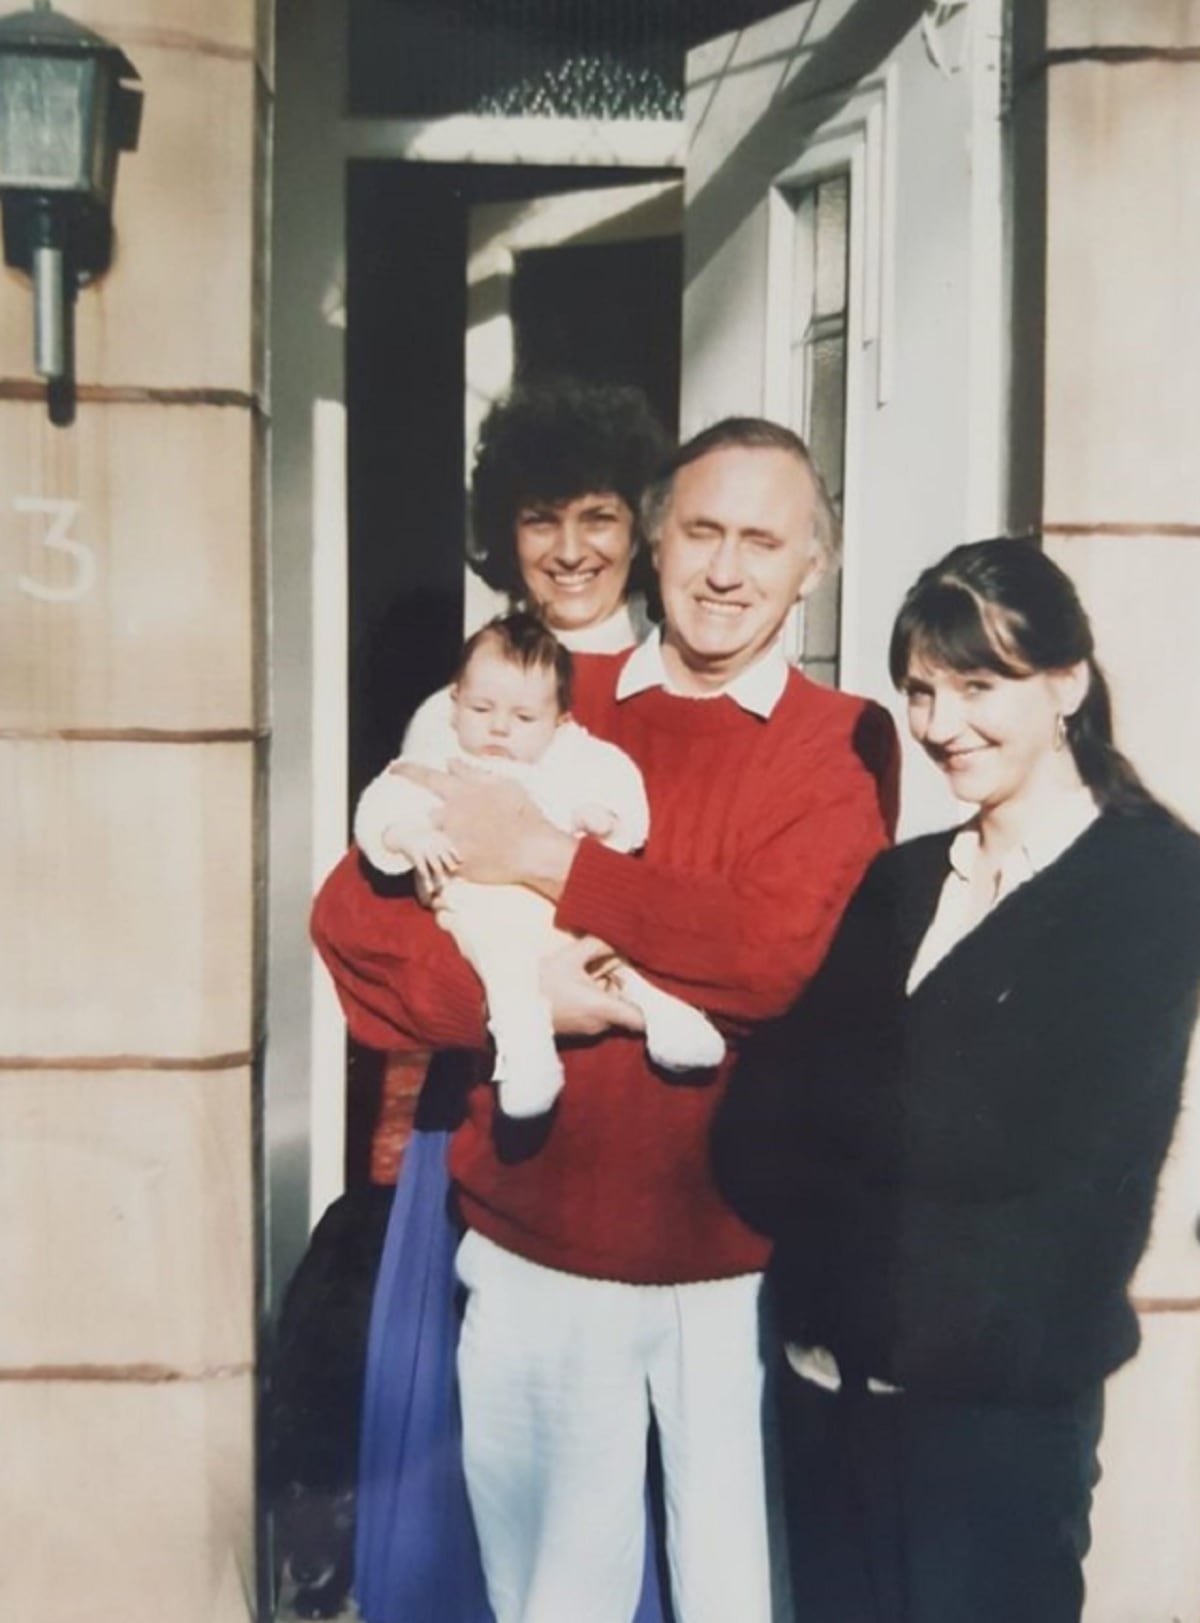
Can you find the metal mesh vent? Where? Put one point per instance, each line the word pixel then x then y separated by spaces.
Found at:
pixel 598 59
pixel 589 85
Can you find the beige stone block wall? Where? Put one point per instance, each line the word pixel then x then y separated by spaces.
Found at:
pixel 219 27
pixel 1163 23
pixel 1122 514
pixel 1123 328
pixel 1145 1563
pixel 117 1165
pixel 1143 595
pixel 132 661
pixel 125 1502
pixel 128 594
pixel 176 312
pixel 127 872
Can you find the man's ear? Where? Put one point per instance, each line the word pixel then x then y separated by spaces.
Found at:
pixel 818 568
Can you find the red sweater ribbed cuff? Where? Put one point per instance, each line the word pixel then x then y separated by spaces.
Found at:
pixel 601 894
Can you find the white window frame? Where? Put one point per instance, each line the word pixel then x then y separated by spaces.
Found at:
pixel 859 140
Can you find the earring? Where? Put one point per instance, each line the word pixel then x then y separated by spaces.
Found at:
pixel 1060 731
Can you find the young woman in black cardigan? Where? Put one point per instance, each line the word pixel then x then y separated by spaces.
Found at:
pixel 956 1136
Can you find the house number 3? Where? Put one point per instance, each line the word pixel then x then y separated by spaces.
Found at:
pixel 57 538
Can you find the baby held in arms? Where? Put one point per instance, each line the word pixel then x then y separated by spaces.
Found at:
pixel 508 712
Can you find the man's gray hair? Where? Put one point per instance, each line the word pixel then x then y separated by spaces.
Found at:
pixel 752 434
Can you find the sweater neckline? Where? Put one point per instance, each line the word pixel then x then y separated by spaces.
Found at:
pixel 677 713
pixel 1016 902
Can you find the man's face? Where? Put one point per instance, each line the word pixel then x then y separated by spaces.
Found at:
pixel 737 550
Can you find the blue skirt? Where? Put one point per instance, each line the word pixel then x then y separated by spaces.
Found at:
pixel 417 1557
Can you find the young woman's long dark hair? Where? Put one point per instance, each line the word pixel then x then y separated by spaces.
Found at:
pixel 1004 606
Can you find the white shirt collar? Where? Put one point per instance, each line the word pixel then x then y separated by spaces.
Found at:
pixel 757 689
pixel 1056 828
pixel 609 637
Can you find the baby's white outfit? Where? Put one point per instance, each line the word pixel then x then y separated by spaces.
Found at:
pixel 503 931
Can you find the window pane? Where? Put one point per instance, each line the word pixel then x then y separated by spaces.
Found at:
pixel 824 671
pixel 827 409
pixel 817 373
pixel 821 614
pixel 833 198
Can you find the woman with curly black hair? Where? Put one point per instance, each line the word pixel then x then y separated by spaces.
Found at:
pixel 558 478
pixel 559 471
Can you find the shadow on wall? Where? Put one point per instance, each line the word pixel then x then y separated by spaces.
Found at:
pixel 852 49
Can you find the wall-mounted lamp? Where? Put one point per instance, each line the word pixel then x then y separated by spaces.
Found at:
pixel 65 114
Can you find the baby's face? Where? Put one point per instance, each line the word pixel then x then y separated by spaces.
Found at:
pixel 502 710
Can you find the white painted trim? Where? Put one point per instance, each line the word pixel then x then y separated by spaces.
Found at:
pixel 889 209
pixel 866 125
pixel 780 300
pixel 988 338
pixel 634 143
pixel 853 545
pixel 873 172
pixel 497 232
pixel 330 713
pixel 861 136
pixel 785 296
pixel 842 149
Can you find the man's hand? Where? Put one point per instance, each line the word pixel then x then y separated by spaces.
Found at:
pixel 499 835
pixel 581 999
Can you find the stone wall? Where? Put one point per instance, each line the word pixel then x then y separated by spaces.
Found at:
pixel 132 728
pixel 1121 88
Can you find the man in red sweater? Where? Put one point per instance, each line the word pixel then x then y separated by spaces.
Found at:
pixel 606 1278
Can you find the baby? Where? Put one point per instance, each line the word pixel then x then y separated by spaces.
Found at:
pixel 507 712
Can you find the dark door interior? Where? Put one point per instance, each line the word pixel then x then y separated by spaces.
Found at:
pixel 605 311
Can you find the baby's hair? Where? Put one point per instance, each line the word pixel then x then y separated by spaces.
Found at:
pixel 524 640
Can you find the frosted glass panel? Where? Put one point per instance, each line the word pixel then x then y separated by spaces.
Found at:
pixel 821 613
pixel 833 198
pixel 817 379
pixel 827 408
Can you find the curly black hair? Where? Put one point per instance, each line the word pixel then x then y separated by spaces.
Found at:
pixel 552 442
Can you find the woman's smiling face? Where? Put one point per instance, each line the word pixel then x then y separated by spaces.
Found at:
pixel 997 738
pixel 575 557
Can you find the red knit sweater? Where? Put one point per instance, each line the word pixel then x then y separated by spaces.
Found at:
pixel 760 831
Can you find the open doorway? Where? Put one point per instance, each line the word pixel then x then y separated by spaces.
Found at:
pixel 460 281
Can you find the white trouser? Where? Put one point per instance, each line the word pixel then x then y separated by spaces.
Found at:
pixel 558 1376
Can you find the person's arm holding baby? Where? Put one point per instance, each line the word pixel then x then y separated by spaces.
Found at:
pixel 396 823
pixel 506 717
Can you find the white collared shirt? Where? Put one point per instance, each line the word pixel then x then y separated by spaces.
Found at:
pixel 757 689
pixel 959 907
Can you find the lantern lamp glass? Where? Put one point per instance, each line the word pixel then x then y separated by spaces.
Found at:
pixel 50 121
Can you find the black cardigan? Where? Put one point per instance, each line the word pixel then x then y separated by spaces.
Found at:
pixel 960 1183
